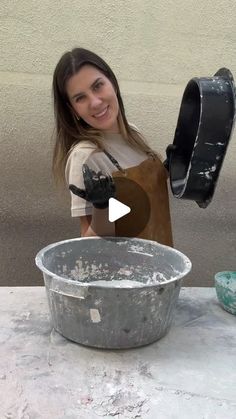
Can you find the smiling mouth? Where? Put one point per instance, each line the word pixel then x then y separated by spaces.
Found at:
pixel 101 114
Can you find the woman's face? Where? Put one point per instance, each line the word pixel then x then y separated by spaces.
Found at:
pixel 93 98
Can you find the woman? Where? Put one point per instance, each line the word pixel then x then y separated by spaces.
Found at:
pixel 96 148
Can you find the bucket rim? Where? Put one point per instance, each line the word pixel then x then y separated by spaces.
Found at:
pixel 39 264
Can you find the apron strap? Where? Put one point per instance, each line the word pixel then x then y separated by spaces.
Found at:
pixel 113 160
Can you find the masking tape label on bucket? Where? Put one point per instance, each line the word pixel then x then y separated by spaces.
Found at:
pixel 95 315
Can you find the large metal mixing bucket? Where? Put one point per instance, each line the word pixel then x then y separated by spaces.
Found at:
pixel 112 292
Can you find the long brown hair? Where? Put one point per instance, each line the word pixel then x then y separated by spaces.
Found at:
pixel 68 130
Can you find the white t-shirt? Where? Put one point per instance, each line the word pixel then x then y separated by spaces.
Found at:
pixel 86 152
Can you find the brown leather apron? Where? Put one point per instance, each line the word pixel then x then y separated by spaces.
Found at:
pixel 151 178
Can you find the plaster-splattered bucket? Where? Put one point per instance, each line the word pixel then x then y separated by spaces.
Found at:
pixel 112 292
pixel 225 284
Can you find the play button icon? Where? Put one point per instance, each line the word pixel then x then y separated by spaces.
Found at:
pixel 117 210
pixel 129 208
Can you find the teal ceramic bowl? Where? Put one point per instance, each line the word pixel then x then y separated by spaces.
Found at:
pixel 225 284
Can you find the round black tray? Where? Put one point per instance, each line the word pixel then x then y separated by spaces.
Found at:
pixel 203 131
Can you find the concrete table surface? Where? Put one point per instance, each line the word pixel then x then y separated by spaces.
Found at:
pixel 190 373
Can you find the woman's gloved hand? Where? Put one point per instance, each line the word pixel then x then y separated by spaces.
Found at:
pixel 169 150
pixel 99 188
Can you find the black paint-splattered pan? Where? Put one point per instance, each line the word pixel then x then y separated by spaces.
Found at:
pixel 202 135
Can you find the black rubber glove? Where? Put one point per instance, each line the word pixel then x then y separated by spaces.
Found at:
pixel 99 188
pixel 169 150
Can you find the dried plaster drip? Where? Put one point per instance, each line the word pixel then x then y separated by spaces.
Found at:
pixel 136 248
pixel 141 253
pixel 95 315
pixel 128 276
pixel 112 274
pixel 123 283
pixel 228 282
pixel 208 173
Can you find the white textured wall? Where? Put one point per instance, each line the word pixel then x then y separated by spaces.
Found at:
pixel 155 48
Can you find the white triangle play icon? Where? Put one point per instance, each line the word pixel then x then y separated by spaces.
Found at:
pixel 117 210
